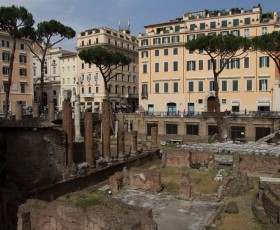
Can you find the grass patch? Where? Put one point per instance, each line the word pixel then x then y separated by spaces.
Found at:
pixel 94 199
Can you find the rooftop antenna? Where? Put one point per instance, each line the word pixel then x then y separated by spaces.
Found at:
pixel 124 27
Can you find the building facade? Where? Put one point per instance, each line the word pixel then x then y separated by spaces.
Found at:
pixel 123 90
pixel 174 79
pixel 69 75
pixel 22 83
pixel 52 79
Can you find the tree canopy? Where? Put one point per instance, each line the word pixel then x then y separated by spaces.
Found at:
pixel 269 44
pixel 47 35
pixel 17 22
pixel 225 49
pixel 110 63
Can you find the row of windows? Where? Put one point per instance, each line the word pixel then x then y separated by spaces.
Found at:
pixel 15 87
pixel 128 67
pixel 6 57
pixel 192 64
pixel 176 39
pixel 145 54
pixel 6 44
pixel 263 85
pixel 6 71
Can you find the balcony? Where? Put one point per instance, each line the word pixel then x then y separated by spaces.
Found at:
pixel 87 95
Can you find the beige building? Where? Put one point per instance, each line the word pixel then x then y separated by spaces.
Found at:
pixel 52 79
pixel 172 78
pixel 69 75
pixel 22 83
pixel 123 89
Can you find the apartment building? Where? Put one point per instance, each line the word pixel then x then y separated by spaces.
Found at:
pixel 173 79
pixel 69 74
pixel 22 83
pixel 123 89
pixel 52 80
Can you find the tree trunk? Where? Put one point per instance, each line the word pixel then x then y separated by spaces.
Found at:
pixel 41 106
pixel 218 107
pixel 10 79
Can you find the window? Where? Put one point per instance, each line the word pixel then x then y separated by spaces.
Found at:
pixel 200 101
pixel 191 37
pixel 235 32
pixel 200 64
pixel 235 85
pixel 223 63
pixel 200 86
pixel 175 87
pixel 165 66
pixel 156 52
pixel 22 87
pixel 190 65
pixel 157 87
pixel 157 67
pixel 235 63
pixel 22 72
pixel 246 62
pixel 191 86
pixel 54 69
pixel 212 25
pixel 96 89
pixel 144 42
pixel 177 28
pixel 89 42
pixel 144 54
pixel 5 70
pixel 264 61
pixel 22 46
pixel 247 21
pixel 202 26
pixel 5 44
pixel 212 130
pixel 224 23
pixel 249 85
pixel 224 33
pixel 192 26
pixel 171 128
pixel 5 56
pixel 166 40
pixel 224 101
pixel 263 85
pixel 264 30
pixel 83 65
pixel 145 68
pixel 210 64
pixel 73 68
pixel 165 87
pixel 192 129
pixel 156 41
pixel 235 22
pixel 211 85
pixel 175 39
pixel 246 33
pixel 144 90
pixel 175 66
pixel 165 52
pixel 224 85
pixel 175 51
pixel 89 89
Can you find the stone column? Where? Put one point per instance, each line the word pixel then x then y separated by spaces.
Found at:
pixel 133 142
pixel 154 135
pixel 51 112
pixel 67 125
pixel 88 124
pixel 18 111
pixel 35 110
pixel 128 126
pixel 106 151
pixel 116 128
pixel 121 145
pixel 77 119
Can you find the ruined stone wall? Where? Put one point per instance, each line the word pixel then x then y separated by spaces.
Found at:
pixel 256 164
pixel 183 157
pixel 34 158
pixel 271 203
pixel 111 214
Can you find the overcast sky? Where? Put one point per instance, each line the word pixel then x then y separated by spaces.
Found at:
pixel 87 14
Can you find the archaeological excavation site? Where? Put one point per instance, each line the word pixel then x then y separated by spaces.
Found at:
pixel 80 173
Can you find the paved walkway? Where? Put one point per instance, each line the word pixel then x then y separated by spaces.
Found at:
pixel 169 212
